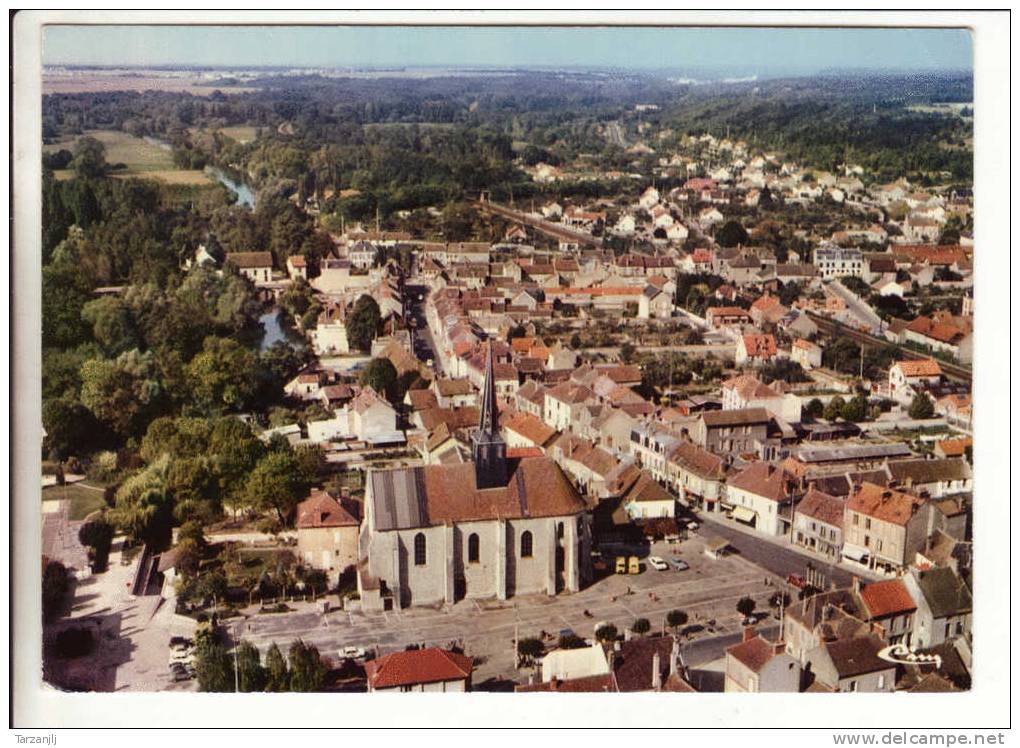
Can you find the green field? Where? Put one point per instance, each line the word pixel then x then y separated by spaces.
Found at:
pixel 140 157
pixel 241 133
pixel 84 499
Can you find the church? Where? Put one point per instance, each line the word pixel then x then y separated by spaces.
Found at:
pixel 493 528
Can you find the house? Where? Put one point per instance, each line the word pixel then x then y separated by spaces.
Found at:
pixel 806 353
pixel 889 604
pixel 944 335
pixel 646 499
pixel 956 447
pixel 362 254
pixel 563 405
pixel 727 316
pixel 327 534
pixel 767 309
pixel 818 524
pixel 372 418
pixel 761 496
pixel 759 666
pixel 330 333
pixel 883 528
pixel 755 349
pixel 835 262
pixel 747 391
pixel 852 665
pixel 491 528
pixel 650 663
pixel 655 303
pixel 454 393
pixel 528 430
pixel 297 267
pixel 256 266
pixel 427 670
pixel 933 478
pixel 825 616
pixel 727 431
pixel 696 476
pixel 571 664
pixel 956 408
pixel 944 605
pixel 907 377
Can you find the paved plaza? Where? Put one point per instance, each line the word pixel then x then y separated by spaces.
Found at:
pixel 708 591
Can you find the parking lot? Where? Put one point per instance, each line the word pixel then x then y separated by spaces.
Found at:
pixel 707 591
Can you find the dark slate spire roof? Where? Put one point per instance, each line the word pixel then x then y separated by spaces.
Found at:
pixel 488 422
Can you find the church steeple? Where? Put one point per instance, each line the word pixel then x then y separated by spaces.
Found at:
pixel 488 449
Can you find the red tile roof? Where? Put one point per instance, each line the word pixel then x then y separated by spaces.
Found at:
pixel 927 367
pixel 322 510
pixel 887 598
pixel 885 504
pixel 762 479
pixel 414 667
pixel 754 653
pixel 822 507
pixel 531 427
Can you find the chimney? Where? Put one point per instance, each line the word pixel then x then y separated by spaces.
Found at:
pixel 749 633
pixel 779 647
pixel 674 657
pixel 856 584
pixel 554 684
pixel 656 673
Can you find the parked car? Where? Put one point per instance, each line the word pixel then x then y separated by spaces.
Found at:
pixel 797 581
pixel 657 563
pixel 183 656
pixel 679 564
pixel 179 672
pixel 633 565
pixel 692 526
pixel 352 653
pixel 180 642
pixel 621 564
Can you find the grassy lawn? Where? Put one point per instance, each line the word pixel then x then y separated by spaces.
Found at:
pixel 142 158
pixel 240 133
pixel 84 500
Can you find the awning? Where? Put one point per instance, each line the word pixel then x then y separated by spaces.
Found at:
pixel 743 514
pixel 854 553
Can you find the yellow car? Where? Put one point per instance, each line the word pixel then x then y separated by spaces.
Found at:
pixel 633 565
pixel 621 564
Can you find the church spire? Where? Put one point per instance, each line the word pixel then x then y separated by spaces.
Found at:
pixel 488 450
pixel 488 421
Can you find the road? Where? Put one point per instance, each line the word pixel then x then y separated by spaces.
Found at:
pixel 777 559
pixel 425 346
pixel 857 306
pixel 555 230
pixel 615 134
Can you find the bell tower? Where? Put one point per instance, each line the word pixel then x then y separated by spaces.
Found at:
pixel 488 450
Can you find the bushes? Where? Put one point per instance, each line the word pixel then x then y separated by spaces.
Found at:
pixel 56 582
pixel 97 535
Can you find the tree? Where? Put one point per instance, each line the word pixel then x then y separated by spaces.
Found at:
pixel 277 484
pixel 97 534
pixel 606 633
pixel 223 376
pixel 251 676
pixel 834 408
pixel 363 323
pixel 214 667
pixel 380 375
pixel 144 504
pixel 627 351
pixel 814 408
pixel 211 586
pixel 572 641
pixel 746 606
pixel 112 324
pixel 856 409
pixel 70 428
pixel 530 648
pixel 307 670
pixel 123 393
pixel 675 619
pixel 780 599
pixel 89 158
pixel 277 674
pixel 731 234
pixel 56 581
pixel 921 407
pixel 641 626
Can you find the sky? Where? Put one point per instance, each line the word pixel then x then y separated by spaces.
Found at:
pixel 747 51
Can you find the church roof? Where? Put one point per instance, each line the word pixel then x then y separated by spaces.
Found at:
pixel 405 498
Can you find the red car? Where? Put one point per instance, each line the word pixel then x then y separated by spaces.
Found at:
pixel 796 580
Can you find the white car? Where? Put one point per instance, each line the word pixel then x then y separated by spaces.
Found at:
pixel 352 653
pixel 657 563
pixel 692 525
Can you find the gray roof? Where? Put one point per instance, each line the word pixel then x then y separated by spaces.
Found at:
pixel 398 499
pixel 930 471
pixel 852 452
pixel 739 417
pixel 945 592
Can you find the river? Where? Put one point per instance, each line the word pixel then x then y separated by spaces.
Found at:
pixel 245 196
pixel 279 330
